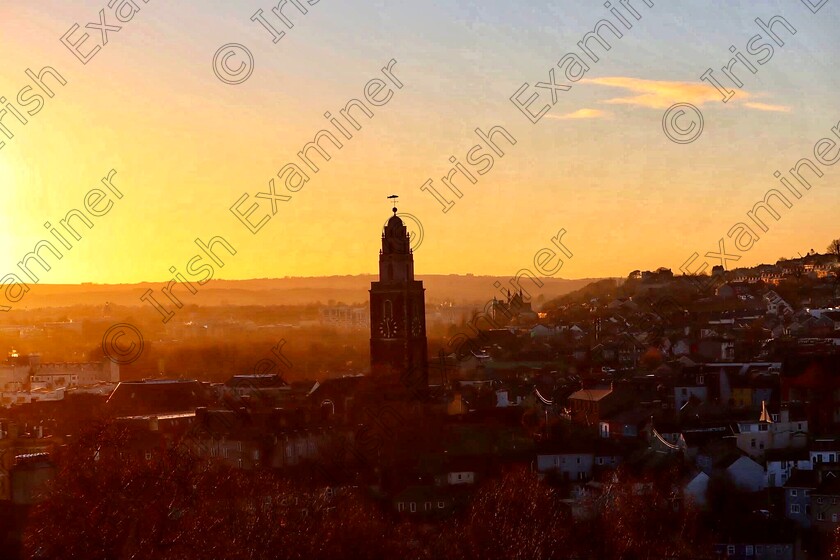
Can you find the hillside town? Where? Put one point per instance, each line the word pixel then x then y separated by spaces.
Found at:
pixel 727 386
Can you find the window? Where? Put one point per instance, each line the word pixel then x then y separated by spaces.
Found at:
pixel 834 501
pixel 752 443
pixel 806 493
pixel 794 493
pixel 762 427
pixel 820 516
pixel 401 506
pixel 700 380
pixel 441 505
pixel 578 460
pixel 794 508
pixel 749 550
pixel 413 507
pixel 819 500
pixel 427 506
pixel 834 518
pixel 387 309
pixel 148 455
pixel 730 549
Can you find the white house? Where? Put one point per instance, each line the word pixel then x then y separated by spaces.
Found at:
pixel 569 466
pixel 771 431
pixel 824 451
pixel 776 305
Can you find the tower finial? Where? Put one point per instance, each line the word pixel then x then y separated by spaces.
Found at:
pixel 394 198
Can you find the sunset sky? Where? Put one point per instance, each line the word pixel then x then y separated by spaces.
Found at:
pixel 186 146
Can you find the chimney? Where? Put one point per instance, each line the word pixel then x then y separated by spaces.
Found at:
pixel 784 414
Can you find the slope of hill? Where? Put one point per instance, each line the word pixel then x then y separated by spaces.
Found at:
pixel 292 291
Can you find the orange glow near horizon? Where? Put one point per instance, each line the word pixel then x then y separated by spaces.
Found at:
pixel 186 146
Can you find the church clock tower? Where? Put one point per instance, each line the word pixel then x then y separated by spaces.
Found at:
pixel 398 346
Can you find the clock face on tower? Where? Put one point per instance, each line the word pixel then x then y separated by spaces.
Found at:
pixel 416 326
pixel 387 328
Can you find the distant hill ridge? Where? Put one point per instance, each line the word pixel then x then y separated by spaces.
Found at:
pixel 295 291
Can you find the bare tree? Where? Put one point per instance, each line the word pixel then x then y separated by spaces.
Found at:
pixel 834 247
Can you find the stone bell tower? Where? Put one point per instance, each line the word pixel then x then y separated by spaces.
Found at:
pixel 398 347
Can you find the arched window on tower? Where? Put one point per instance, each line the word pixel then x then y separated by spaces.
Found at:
pixel 387 309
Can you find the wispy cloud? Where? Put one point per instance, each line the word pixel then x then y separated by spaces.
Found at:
pixel 661 94
pixel 658 94
pixel 581 114
pixel 767 107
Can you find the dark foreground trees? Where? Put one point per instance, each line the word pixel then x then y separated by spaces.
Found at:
pixel 104 506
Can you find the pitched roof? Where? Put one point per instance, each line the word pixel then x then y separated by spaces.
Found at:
pixel 802 479
pixel 158 396
pixel 590 394
pixel 829 485
pixel 256 381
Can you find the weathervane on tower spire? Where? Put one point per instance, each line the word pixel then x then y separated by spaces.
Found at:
pixel 394 197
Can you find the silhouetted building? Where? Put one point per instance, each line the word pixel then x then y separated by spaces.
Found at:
pixel 398 347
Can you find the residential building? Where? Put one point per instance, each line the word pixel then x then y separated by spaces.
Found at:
pixel 798 494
